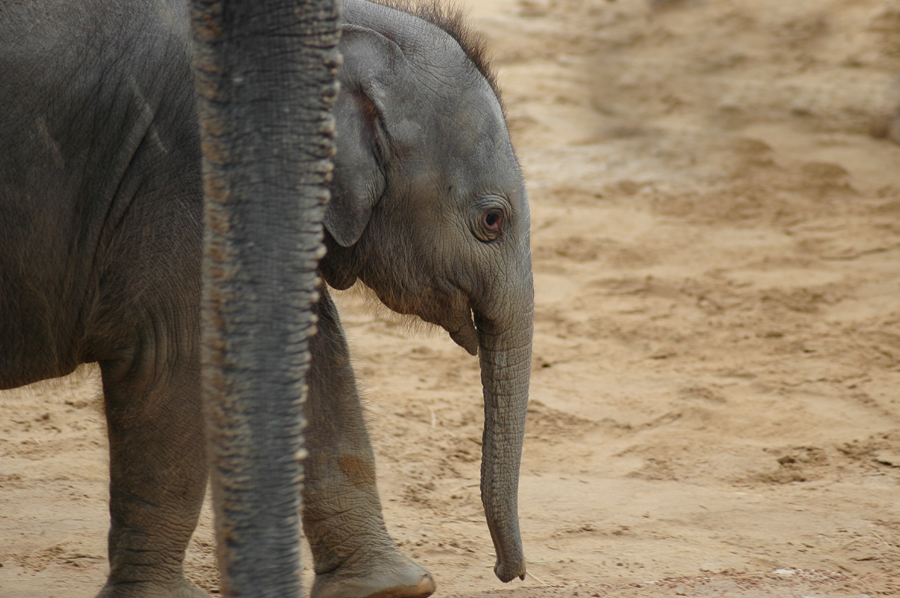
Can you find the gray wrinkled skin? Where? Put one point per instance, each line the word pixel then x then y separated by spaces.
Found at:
pixel 100 246
pixel 258 65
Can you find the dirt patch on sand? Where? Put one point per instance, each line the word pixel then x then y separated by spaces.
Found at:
pixel 716 385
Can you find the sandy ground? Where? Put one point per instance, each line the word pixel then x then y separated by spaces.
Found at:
pixel 715 190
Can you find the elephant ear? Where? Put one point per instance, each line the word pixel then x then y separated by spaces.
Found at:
pixel 373 68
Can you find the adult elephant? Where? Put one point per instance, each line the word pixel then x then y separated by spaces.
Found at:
pixel 100 260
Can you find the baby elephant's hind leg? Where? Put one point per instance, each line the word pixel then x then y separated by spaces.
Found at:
pixel 157 474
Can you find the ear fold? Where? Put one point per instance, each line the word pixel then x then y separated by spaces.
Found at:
pixel 370 61
pixel 358 178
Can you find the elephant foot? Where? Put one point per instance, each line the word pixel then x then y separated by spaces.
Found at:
pixel 182 589
pixel 381 577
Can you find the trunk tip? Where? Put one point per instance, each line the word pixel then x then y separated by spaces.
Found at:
pixel 506 571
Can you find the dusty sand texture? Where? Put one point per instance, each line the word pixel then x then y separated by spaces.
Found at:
pixel 715 196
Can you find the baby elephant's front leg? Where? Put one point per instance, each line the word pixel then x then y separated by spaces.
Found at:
pixel 353 555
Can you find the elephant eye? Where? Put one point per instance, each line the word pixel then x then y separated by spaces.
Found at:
pixel 492 219
pixel 489 226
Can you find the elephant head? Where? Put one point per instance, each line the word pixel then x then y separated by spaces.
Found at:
pixel 429 210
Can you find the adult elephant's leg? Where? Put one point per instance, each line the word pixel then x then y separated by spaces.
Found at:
pixel 157 468
pixel 354 556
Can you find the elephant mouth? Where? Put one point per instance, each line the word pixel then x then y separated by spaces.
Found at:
pixel 464 333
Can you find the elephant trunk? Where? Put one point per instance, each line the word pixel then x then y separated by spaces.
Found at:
pixel 505 372
pixel 265 80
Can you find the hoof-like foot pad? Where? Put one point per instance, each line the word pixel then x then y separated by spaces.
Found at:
pixel 397 579
pixel 181 589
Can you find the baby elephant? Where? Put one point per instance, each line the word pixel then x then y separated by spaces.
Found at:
pixel 101 213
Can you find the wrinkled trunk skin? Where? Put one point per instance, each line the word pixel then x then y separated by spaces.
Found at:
pixel 265 76
pixel 505 374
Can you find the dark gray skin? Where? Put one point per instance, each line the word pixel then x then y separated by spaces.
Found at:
pixel 259 65
pixel 100 249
